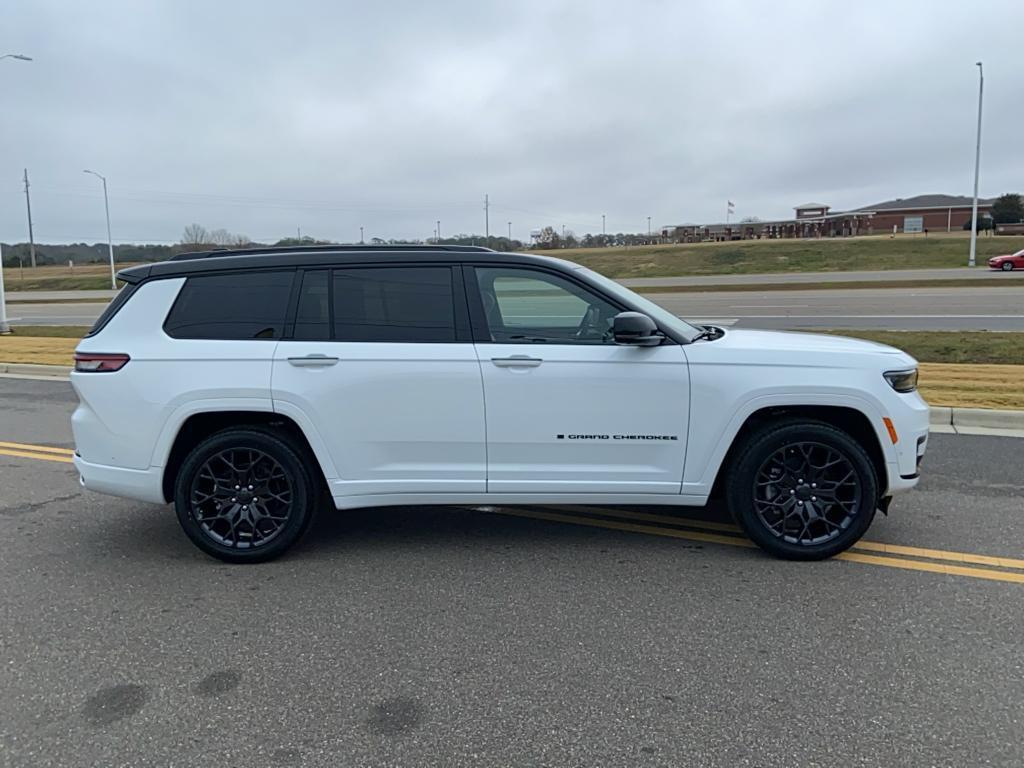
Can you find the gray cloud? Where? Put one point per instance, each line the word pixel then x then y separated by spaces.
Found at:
pixel 264 117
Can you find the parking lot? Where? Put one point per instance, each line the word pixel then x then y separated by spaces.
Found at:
pixel 555 636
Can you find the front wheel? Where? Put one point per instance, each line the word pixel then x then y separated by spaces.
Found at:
pixel 244 496
pixel 803 490
pixel 1007 266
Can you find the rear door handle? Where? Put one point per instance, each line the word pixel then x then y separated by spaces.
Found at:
pixel 312 361
pixel 517 361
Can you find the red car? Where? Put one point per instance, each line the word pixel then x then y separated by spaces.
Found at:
pixel 1008 262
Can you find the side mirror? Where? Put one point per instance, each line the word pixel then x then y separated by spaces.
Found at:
pixel 635 329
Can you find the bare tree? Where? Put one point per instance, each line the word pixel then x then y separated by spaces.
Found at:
pixel 220 237
pixel 195 234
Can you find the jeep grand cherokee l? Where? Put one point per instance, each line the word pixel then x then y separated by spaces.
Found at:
pixel 244 386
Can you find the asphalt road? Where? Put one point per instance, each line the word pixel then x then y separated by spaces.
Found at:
pixel 995 309
pixel 441 637
pixel 977 273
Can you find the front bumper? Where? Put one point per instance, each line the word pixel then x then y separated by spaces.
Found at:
pixel 140 484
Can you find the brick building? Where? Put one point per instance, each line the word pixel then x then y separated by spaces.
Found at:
pixel 936 213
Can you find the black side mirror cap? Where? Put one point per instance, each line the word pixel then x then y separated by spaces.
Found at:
pixel 635 329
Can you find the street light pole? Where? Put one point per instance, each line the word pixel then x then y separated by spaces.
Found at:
pixel 648 226
pixel 110 242
pixel 510 232
pixel 603 232
pixel 439 229
pixel 361 241
pixel 977 167
pixel 4 327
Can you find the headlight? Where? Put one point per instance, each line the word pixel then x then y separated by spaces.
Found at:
pixel 902 381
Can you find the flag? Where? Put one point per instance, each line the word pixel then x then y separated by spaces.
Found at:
pixel 732 205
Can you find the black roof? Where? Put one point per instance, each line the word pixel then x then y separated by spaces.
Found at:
pixel 274 250
pixel 321 256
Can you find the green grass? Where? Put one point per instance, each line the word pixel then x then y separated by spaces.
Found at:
pixel 779 256
pixel 978 347
pixel 50 331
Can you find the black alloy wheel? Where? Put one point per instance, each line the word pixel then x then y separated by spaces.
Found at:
pixel 244 495
pixel 803 490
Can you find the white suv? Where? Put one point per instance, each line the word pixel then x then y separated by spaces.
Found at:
pixel 244 385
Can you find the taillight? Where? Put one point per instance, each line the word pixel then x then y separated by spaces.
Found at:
pixel 99 362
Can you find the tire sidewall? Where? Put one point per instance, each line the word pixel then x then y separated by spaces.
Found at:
pixel 285 455
pixel 739 489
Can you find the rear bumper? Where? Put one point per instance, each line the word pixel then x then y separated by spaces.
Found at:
pixel 139 484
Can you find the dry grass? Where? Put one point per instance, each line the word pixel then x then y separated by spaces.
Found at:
pixel 43 351
pixel 973 386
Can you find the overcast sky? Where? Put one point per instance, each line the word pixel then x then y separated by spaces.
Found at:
pixel 264 117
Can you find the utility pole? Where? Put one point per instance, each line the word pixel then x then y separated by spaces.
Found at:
pixel 510 232
pixel 487 216
pixel 438 229
pixel 31 238
pixel 361 241
pixel 648 226
pixel 603 232
pixel 977 166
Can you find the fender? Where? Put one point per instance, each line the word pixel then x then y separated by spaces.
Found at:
pixel 699 479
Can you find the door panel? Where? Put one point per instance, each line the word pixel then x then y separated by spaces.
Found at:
pixel 396 418
pixel 379 362
pixel 567 409
pixel 586 419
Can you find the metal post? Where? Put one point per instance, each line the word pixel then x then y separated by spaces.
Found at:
pixel 487 216
pixel 510 233
pixel 949 220
pixel 438 229
pixel 31 237
pixel 361 241
pixel 4 327
pixel 110 241
pixel 648 226
pixel 603 232
pixel 977 167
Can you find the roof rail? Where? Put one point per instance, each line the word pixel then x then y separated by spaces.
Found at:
pixel 271 249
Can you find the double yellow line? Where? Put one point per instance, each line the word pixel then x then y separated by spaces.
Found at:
pixel 942 561
pixel 42 452
pixel 868 552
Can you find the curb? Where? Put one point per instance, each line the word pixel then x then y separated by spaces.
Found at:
pixel 34 369
pixel 943 418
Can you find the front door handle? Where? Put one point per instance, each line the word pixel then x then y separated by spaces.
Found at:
pixel 517 361
pixel 312 361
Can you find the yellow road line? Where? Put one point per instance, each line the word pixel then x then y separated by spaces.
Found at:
pixel 40 456
pixel 862 545
pixel 920 565
pixel 36 448
pixel 733 541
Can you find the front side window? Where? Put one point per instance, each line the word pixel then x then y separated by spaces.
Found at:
pixel 394 304
pixel 241 305
pixel 529 306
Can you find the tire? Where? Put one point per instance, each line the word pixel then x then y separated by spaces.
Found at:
pixel 253 530
pixel 1007 266
pixel 793 520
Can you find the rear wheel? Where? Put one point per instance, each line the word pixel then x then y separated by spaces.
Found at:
pixel 803 490
pixel 244 496
pixel 1007 266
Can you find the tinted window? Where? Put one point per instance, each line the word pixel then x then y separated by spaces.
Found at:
pixel 243 305
pixel 312 317
pixel 394 304
pixel 524 306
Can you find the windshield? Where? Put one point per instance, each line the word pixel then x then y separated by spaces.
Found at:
pixel 657 313
pixel 1018 253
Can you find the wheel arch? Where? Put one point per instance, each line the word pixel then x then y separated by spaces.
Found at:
pixel 198 426
pixel 849 419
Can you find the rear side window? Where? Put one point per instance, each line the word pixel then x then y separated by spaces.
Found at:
pixel 119 300
pixel 400 304
pixel 243 305
pixel 313 314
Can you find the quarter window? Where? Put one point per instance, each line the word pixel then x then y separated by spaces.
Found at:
pixel 242 305
pixel 394 304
